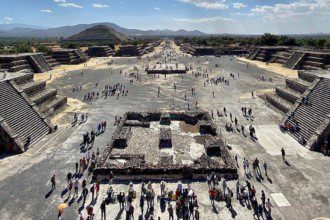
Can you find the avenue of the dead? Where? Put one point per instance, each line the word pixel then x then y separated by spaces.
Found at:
pixel 297 189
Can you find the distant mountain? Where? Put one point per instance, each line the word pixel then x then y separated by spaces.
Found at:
pixel 99 33
pixel 7 27
pixel 67 31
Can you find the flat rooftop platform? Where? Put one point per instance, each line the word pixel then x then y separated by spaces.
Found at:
pixel 17 55
pixel 166 68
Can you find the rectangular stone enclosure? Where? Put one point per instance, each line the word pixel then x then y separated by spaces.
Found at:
pixel 187 145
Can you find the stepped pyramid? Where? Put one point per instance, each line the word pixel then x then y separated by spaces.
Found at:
pixel 99 33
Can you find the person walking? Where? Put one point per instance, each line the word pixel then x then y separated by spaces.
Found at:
pixel 131 211
pixel 237 189
pixel 142 199
pixel 76 187
pixel 265 168
pixel 84 194
pixel 224 186
pixel 92 190
pixel 283 155
pixel 170 212
pixel 53 181
pixel 269 206
pixel 70 188
pixel 103 210
pixel 212 195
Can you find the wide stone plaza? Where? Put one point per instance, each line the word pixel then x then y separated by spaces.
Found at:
pixel 298 189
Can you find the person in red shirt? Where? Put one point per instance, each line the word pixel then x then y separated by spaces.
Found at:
pixel 212 195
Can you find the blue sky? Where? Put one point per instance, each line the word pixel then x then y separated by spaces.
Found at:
pixel 211 16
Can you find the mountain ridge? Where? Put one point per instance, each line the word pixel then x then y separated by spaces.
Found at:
pixel 68 30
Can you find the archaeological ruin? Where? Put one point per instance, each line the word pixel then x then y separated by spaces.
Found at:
pixel 179 144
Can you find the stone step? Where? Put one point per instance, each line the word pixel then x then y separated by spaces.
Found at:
pixel 308 67
pixel 33 86
pixel 43 95
pixel 289 94
pixel 279 103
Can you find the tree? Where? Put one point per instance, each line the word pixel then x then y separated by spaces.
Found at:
pixel 286 41
pixel 320 43
pixel 42 49
pixel 327 44
pixel 23 48
pixel 268 39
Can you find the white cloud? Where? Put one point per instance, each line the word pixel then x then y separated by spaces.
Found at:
pixel 70 5
pixel 100 6
pixel 208 4
pixel 59 1
pixel 301 9
pixel 203 20
pixel 239 5
pixel 46 11
pixel 8 18
pixel 156 8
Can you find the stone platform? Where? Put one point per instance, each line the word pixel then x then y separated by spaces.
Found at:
pixel 166 69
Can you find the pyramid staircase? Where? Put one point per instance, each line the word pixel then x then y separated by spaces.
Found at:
pixel 51 61
pixel 281 57
pixel 19 118
pixel 39 63
pixel 312 119
pixel 26 106
pixel 253 54
pixel 81 55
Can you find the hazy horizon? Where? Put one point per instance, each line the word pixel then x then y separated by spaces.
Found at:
pixel 250 17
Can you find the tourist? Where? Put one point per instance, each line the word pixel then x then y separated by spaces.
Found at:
pixel 52 180
pixel 170 212
pixel 237 190
pixel 131 211
pixel 142 199
pixel 212 195
pixel 92 190
pixel 269 206
pixel 77 166
pixel 265 168
pixel 162 188
pixel 84 193
pixel 263 198
pixel 70 186
pixel 283 154
pixel 76 187
pixel 103 210
pixel 208 180
pixel 224 186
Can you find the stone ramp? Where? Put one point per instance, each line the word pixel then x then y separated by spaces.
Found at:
pixel 22 118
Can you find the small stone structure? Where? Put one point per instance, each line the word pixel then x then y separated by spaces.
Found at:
pixel 122 137
pixel 165 138
pixel 167 69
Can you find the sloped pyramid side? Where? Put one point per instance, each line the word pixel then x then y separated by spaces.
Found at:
pixel 99 33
